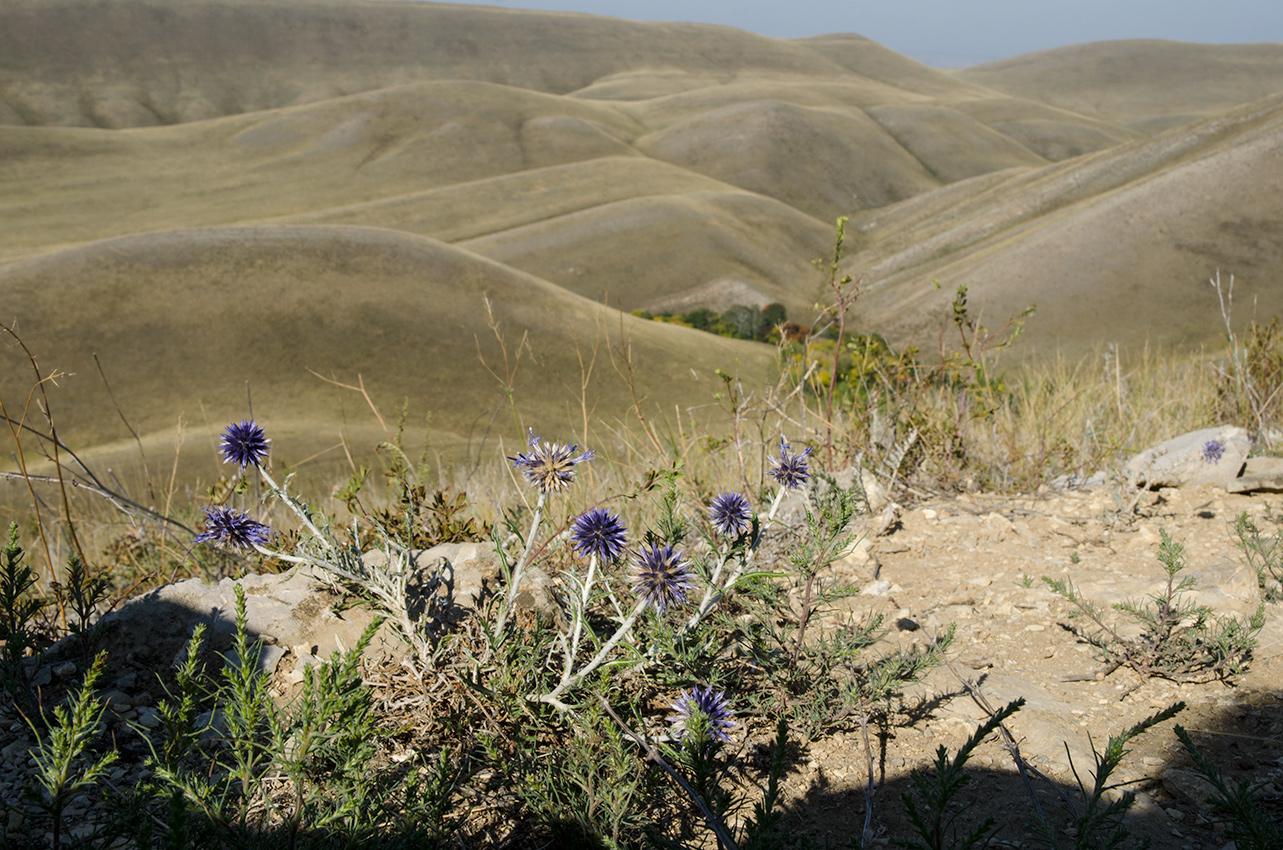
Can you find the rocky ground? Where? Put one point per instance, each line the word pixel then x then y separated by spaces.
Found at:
pixel 977 562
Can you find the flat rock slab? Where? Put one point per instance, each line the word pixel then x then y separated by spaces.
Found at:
pixel 1044 727
pixel 296 614
pixel 1260 475
pixel 285 612
pixel 453 580
pixel 1209 456
pixel 1228 588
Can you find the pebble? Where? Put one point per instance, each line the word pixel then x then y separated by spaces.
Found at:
pixel 877 588
pixel 16 752
pixel 116 701
pixel 148 717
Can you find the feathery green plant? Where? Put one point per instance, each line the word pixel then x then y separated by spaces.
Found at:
pixel 18 610
pixel 1097 815
pixel 1250 826
pixel 1179 640
pixel 63 765
pixel 938 788
pixel 1263 552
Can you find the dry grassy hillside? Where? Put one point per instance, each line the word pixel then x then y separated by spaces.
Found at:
pixel 590 160
pixel 1148 85
pixel 1113 247
pixel 124 63
pixel 181 320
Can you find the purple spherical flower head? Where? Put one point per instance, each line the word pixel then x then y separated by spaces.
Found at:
pixel 792 471
pixel 711 705
pixel 244 444
pixel 550 467
pixel 231 527
pixel 1212 451
pixel 661 578
pixel 730 514
pixel 598 532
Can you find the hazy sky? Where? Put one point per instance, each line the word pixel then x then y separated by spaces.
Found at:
pixel 983 29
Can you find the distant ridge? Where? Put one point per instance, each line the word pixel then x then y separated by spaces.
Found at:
pixel 1145 84
pixel 125 63
pixel 181 320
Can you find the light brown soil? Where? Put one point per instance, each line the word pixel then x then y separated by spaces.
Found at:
pixel 978 562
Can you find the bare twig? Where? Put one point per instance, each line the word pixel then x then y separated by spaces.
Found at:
pixel 142 454
pixel 123 504
pixel 360 388
pixel 1009 740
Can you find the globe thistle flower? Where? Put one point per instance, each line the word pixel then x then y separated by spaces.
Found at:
pixel 244 443
pixel 703 715
pixel 1212 451
pixel 550 467
pixel 792 471
pixel 230 527
pixel 661 578
pixel 598 532
pixel 730 514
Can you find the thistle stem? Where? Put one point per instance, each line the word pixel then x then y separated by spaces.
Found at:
pixel 568 681
pixel 714 593
pixel 291 504
pixel 581 614
pixel 519 571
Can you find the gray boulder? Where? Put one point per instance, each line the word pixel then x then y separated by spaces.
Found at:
pixel 1210 456
pixel 1259 475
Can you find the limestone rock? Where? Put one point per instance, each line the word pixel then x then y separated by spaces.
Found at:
pixel 448 581
pixel 148 633
pixel 856 557
pixel 1210 456
pixel 536 599
pixel 1188 786
pixel 874 491
pixel 1260 474
pixel 1045 726
pixel 1228 587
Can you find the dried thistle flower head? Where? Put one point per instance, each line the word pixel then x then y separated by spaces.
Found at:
pixel 599 532
pixel 702 717
pixel 550 467
pixel 730 514
pixel 244 444
pixel 230 527
pixel 661 578
pixel 790 470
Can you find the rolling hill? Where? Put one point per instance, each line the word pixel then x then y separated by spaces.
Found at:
pixel 209 192
pixel 1115 247
pixel 183 321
